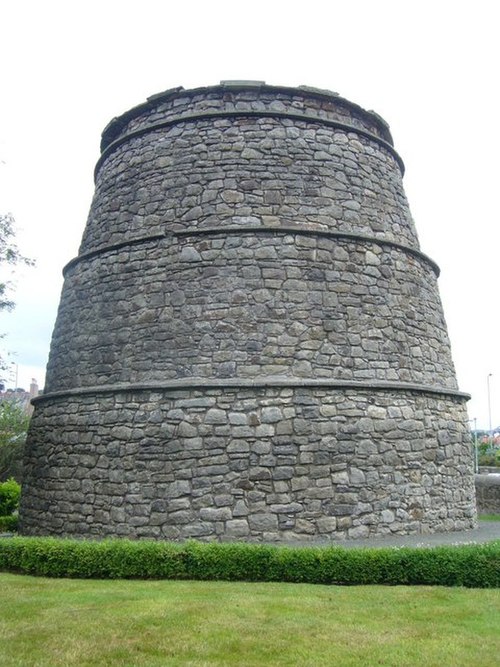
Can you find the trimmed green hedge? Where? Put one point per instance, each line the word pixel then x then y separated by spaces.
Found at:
pixel 474 566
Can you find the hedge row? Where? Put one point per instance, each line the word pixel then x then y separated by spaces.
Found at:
pixel 474 566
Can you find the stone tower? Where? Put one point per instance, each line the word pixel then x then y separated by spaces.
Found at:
pixel 250 344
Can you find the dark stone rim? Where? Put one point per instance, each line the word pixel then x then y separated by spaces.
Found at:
pixel 253 383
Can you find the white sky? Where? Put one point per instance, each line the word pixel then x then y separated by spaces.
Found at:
pixel 430 68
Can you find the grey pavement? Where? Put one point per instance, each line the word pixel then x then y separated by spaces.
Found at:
pixel 487 531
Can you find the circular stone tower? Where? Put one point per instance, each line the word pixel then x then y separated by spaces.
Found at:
pixel 250 344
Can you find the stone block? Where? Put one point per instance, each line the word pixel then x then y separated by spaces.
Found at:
pixel 237 528
pixel 283 472
pixel 215 416
pixel 387 516
pixel 255 474
pixel 271 415
pixel 215 514
pixel 358 532
pixel 289 508
pixel 305 526
pixel 326 524
pixel 263 522
pixel 240 508
pixel 188 253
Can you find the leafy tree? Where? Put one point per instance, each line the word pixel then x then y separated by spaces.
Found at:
pixel 10 256
pixel 13 418
pixel 14 421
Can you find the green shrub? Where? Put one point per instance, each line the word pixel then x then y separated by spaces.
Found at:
pixel 488 460
pixel 10 492
pixel 476 566
pixel 8 524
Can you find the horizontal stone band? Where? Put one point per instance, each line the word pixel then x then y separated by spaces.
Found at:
pixel 194 117
pixel 255 229
pixel 103 250
pixel 254 383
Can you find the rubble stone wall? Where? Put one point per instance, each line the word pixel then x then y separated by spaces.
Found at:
pixel 262 464
pixel 265 303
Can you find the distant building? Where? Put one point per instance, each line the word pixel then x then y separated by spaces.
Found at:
pixel 20 395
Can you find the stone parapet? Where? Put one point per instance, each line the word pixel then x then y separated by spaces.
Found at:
pixel 239 97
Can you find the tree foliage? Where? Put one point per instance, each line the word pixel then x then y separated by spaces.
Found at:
pixel 10 256
pixel 14 422
pixel 13 418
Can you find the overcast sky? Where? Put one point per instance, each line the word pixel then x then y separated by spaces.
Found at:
pixel 431 69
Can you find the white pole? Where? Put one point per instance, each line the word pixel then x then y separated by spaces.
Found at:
pixel 476 453
pixel 489 407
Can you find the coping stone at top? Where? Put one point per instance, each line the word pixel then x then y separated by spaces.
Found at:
pixel 243 83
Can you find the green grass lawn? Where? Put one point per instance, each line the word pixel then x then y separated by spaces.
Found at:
pixel 488 517
pixel 64 622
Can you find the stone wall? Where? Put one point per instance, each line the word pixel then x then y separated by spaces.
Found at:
pixel 261 463
pixel 250 343
pixel 240 304
pixel 488 493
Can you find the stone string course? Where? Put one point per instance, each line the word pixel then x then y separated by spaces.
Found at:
pixel 236 249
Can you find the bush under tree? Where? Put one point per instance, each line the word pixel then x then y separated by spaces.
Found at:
pixel 14 422
pixel 10 493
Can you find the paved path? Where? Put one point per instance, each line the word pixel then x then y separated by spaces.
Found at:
pixel 487 531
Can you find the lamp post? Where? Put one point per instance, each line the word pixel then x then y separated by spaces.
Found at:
pixel 489 407
pixel 476 453
pixel 16 373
